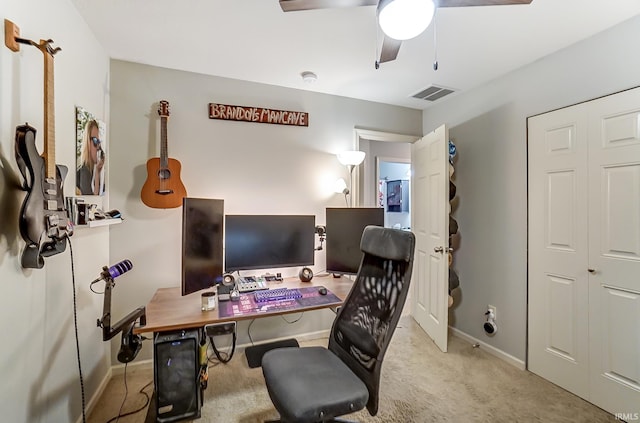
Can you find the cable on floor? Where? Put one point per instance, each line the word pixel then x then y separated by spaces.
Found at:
pixel 126 393
pixel 294 321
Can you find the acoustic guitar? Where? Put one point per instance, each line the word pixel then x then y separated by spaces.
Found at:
pixel 44 223
pixel 163 188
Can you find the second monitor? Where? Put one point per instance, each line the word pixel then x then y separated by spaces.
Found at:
pixel 344 231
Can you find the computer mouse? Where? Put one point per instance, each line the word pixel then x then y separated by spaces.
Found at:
pixel 322 290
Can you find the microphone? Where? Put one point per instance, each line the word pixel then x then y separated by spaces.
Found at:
pixel 110 273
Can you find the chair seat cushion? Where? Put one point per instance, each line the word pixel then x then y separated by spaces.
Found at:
pixel 311 384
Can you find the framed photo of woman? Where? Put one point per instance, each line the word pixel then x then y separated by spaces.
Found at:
pixel 91 154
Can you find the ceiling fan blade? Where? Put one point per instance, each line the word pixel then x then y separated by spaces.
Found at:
pixel 295 5
pixel 390 48
pixel 466 3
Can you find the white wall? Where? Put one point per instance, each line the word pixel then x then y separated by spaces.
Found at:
pixel 256 168
pixel 488 125
pixel 40 381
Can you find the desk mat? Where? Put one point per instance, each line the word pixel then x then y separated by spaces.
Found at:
pixel 247 304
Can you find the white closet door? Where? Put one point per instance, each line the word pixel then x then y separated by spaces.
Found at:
pixel 558 278
pixel 614 252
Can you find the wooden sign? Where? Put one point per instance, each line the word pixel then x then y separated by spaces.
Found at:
pixel 257 114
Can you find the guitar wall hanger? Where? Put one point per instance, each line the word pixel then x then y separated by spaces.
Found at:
pixel 13 40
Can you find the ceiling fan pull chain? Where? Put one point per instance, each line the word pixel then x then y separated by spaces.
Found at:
pixel 435 41
pixel 377 62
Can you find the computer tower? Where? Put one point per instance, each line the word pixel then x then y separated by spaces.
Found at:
pixel 176 375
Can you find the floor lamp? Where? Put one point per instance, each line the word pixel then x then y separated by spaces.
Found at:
pixel 351 159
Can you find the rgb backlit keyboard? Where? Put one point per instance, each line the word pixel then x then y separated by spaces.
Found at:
pixel 277 294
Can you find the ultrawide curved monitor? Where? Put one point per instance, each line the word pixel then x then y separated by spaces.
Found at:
pixel 268 241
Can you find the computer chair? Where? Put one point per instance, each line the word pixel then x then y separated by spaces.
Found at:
pixel 317 384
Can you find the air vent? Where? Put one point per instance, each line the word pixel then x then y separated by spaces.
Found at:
pixel 432 93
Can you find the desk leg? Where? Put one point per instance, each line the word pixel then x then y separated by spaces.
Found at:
pixel 254 353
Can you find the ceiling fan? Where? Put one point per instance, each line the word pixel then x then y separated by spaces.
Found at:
pixel 399 19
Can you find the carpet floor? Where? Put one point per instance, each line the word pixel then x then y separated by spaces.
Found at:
pixel 419 384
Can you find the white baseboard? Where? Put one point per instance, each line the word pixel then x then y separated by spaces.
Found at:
pixel 132 367
pixel 490 349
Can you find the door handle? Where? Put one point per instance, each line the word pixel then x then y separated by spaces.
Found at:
pixel 438 249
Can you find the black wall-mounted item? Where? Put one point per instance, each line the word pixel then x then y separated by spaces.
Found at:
pixel 398 196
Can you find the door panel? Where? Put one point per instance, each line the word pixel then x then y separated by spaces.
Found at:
pixel 558 277
pixel 430 194
pixel 614 251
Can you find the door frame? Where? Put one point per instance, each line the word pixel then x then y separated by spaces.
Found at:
pixel 363 134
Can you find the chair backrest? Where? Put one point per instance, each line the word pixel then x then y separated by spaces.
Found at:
pixel 369 315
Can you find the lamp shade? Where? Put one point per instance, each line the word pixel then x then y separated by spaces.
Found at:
pixel 341 186
pixel 351 158
pixel 405 19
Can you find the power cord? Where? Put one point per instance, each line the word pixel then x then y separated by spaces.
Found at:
pixel 249 331
pixel 294 321
pixel 227 358
pixel 75 325
pixel 126 393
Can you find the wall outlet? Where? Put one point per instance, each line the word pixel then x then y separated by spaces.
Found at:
pixel 493 310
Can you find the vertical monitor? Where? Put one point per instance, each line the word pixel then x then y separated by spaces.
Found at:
pixel 268 241
pixel 344 227
pixel 202 241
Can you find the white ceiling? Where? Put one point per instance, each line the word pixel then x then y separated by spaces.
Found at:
pixel 255 40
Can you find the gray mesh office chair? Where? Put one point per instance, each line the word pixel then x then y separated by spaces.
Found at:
pixel 317 384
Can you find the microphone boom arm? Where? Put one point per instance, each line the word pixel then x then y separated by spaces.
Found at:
pixel 109 331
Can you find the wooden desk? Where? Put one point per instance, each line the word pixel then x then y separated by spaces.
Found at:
pixel 168 310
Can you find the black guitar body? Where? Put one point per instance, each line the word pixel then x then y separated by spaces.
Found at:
pixel 44 224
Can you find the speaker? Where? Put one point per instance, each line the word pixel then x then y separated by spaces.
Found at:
pixel 305 274
pixel 176 375
pixel 228 279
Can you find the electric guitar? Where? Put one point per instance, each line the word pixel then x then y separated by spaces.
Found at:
pixel 44 223
pixel 163 188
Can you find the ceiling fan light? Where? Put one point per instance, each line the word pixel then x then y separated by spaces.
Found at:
pixel 405 19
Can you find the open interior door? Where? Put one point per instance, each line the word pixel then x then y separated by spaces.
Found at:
pixel 430 224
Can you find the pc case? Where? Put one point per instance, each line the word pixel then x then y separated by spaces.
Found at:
pixel 176 375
